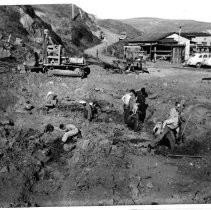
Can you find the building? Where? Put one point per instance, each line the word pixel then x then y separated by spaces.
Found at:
pixel 169 46
pixel 201 42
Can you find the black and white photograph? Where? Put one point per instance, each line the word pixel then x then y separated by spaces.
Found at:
pixel 105 104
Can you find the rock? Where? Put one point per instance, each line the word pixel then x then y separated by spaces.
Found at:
pixel 68 147
pixel 83 144
pixel 165 84
pixel 3 142
pixel 74 160
pixel 117 151
pixel 1 153
pixel 12 168
pixel 134 192
pixel 4 121
pixel 14 70
pixel 153 96
pixel 119 127
pixel 40 155
pixel 98 89
pixel 4 169
pixel 105 145
pixel 149 184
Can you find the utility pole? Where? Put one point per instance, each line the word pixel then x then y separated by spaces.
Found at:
pixel 73 11
pixel 180 29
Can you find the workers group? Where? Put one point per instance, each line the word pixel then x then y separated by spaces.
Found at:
pixel 134 106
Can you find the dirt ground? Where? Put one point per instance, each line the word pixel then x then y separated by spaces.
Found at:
pixel 110 164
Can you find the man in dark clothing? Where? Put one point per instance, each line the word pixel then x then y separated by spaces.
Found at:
pixel 142 107
pixel 179 136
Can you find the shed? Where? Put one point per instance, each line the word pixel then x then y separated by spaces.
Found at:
pixel 169 46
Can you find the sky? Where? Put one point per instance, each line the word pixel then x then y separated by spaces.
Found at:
pixel 122 9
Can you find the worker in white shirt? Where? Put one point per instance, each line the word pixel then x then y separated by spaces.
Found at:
pixel 63 131
pixel 171 124
pixel 69 130
pixel 128 99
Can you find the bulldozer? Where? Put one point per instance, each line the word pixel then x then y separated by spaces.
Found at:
pixel 53 62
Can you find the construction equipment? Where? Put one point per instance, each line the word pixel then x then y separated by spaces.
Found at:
pixel 53 62
pixel 135 58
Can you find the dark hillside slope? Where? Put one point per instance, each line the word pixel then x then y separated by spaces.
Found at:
pixel 77 35
pixel 22 22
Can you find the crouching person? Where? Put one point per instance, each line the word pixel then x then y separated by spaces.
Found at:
pixel 91 109
pixel 66 133
pixel 51 101
pixel 70 131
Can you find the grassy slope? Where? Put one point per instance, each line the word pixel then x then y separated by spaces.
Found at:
pixel 151 25
pixel 118 27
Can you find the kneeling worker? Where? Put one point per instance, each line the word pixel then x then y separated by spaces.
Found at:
pixel 91 109
pixel 51 100
pixel 70 131
pixel 65 132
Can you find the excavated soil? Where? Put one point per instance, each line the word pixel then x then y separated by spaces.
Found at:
pixel 110 164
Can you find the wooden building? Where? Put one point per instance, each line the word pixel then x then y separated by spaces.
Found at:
pixel 167 46
pixel 200 41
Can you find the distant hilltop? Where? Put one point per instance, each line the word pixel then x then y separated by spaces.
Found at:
pixel 152 25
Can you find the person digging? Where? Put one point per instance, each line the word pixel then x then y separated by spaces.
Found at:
pixel 142 106
pixel 170 127
pixel 91 109
pixel 64 132
pixel 51 101
pixel 128 100
pixel 70 131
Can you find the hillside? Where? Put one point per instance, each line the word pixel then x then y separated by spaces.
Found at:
pixel 27 23
pixel 22 22
pixel 80 32
pixel 117 27
pixel 151 25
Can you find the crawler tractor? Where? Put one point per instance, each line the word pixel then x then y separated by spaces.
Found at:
pixel 53 62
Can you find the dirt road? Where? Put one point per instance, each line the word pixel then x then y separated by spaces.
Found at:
pixel 110 38
pixel 110 164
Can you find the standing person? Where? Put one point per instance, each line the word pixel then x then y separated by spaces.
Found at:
pixel 180 137
pixel 128 100
pixel 142 106
pixel 169 125
pixel 133 121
